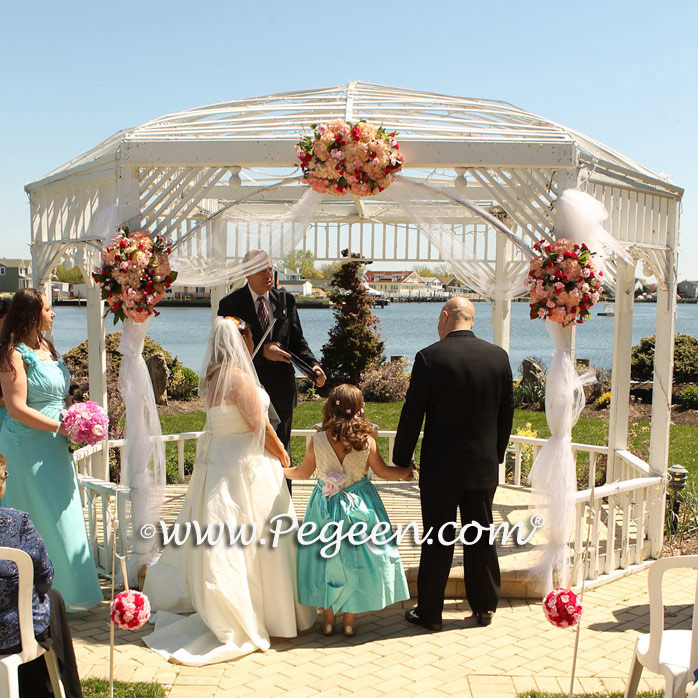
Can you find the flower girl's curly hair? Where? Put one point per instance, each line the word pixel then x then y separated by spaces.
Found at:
pixel 343 418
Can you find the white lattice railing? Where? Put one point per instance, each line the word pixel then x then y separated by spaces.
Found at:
pixel 611 520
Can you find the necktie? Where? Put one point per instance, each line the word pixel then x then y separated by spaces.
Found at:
pixel 262 314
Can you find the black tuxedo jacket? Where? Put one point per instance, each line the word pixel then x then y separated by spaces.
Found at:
pixel 277 377
pixel 464 387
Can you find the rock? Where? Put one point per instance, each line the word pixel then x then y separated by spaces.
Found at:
pixel 157 368
pixel 532 371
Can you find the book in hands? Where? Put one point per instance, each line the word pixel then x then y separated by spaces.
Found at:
pixel 303 366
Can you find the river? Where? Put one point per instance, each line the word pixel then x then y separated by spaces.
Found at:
pixel 405 327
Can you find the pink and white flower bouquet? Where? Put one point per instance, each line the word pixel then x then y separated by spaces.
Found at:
pixel 562 608
pixel 130 609
pixel 86 422
pixel 342 157
pixel 563 283
pixel 134 274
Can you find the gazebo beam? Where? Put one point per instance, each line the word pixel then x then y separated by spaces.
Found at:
pixel 281 153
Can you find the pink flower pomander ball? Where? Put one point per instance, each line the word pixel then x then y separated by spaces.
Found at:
pixel 130 609
pixel 562 608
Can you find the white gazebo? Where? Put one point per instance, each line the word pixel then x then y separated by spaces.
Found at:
pixel 489 166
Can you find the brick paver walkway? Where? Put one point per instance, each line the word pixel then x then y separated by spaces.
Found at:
pixel 519 651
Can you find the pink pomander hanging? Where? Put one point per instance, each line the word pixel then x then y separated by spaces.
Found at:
pixel 130 609
pixel 562 608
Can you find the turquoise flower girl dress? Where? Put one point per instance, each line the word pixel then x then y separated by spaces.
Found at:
pixel 43 483
pixel 356 578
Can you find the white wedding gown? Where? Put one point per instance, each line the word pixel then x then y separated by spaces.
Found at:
pixel 240 596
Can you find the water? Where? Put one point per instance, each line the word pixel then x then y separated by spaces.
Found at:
pixel 405 327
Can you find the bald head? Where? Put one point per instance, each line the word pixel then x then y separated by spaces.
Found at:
pixel 457 314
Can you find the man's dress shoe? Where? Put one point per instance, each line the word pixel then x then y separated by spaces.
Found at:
pixel 411 616
pixel 484 617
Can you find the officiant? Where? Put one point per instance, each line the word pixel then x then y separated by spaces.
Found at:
pixel 261 305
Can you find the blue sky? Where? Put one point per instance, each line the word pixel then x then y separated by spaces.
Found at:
pixel 75 72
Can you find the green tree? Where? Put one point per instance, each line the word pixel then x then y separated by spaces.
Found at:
pixel 354 344
pixel 302 263
pixel 328 270
pixel 72 275
pixel 434 270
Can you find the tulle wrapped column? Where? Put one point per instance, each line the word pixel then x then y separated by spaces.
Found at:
pixel 143 456
pixel 553 477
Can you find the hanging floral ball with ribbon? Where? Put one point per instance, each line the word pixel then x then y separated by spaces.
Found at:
pixel 130 610
pixel 341 157
pixel 134 274
pixel 562 608
pixel 563 282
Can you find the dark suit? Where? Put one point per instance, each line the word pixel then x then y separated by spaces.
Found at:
pixel 464 387
pixel 277 377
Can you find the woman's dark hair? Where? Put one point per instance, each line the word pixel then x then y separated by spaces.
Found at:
pixel 343 418
pixel 23 317
pixel 4 307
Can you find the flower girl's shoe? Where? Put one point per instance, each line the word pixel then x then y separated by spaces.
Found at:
pixel 350 630
pixel 327 628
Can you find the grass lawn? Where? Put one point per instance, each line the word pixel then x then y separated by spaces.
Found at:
pixel 99 688
pixel 387 414
pixel 615 694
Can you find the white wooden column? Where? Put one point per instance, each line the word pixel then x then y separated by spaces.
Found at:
pixel 97 365
pixel 129 197
pixel 217 292
pixel 662 383
pixel 501 312
pixel 620 378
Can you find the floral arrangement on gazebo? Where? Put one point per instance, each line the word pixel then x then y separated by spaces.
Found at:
pixel 563 282
pixel 342 157
pixel 134 274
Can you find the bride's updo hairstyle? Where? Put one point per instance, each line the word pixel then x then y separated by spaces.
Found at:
pixel 343 418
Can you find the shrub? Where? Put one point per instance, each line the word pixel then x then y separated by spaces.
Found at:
pixel 604 400
pixel 685 359
pixel 530 394
pixel 688 397
pixel 526 454
pixel 172 471
pixel 182 384
pixel 386 383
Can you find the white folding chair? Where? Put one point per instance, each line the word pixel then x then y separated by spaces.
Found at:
pixel 31 649
pixel 671 653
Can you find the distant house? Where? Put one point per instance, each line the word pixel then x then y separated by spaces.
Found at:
pixel 60 290
pixel 15 274
pixel 298 287
pixel 398 284
pixel 188 293
pixel 687 289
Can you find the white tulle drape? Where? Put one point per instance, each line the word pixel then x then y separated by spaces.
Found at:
pixel 553 478
pixel 143 455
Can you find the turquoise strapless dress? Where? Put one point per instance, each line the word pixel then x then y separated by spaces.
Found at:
pixel 43 483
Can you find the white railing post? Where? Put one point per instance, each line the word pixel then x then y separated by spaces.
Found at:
pixel 620 377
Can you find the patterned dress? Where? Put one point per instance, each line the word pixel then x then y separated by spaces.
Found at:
pixel 43 483
pixel 350 576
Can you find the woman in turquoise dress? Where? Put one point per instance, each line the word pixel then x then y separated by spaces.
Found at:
pixel 35 384
pixel 4 306
pixel 351 577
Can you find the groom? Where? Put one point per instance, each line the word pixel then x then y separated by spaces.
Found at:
pixel 463 385
pixel 258 304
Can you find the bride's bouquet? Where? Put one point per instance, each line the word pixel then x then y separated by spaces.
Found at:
pixel 135 273
pixel 86 422
pixel 342 157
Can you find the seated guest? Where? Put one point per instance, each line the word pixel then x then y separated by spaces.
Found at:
pixel 50 620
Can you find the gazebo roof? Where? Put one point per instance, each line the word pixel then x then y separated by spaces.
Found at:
pixel 416 116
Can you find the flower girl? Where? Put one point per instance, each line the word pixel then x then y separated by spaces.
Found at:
pixel 362 572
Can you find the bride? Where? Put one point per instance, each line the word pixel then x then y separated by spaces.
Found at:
pixel 240 594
